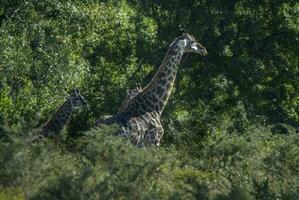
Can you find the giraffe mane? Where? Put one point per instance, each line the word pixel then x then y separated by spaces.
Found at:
pixel 162 66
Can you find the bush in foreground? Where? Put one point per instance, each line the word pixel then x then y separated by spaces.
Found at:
pixel 102 166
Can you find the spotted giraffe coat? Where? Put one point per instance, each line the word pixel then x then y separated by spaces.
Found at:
pixel 140 119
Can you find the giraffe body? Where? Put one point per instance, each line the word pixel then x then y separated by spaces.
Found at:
pixel 63 114
pixel 140 118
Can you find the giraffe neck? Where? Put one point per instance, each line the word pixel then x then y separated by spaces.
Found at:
pixel 155 95
pixel 59 119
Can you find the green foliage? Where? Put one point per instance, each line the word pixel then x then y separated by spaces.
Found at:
pixel 51 46
pixel 231 124
pixel 102 166
pixel 11 194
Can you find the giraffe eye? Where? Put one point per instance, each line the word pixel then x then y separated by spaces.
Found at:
pixel 192 43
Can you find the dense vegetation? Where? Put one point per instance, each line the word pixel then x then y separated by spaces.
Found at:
pixel 231 124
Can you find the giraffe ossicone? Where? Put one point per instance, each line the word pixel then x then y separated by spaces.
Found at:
pixel 139 119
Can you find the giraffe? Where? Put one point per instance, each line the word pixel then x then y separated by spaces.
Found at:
pixel 61 117
pixel 140 119
pixel 130 95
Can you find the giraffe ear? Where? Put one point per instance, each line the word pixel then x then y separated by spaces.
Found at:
pixel 77 91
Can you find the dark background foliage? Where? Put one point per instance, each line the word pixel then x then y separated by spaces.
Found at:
pixel 231 124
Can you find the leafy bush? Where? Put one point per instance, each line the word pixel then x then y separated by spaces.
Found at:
pixel 230 124
pixel 102 166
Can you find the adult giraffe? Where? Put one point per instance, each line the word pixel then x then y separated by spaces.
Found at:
pixel 139 120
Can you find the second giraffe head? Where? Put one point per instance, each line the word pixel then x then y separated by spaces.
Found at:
pixel 77 99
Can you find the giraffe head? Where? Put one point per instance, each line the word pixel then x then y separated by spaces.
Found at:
pixel 191 45
pixel 77 99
